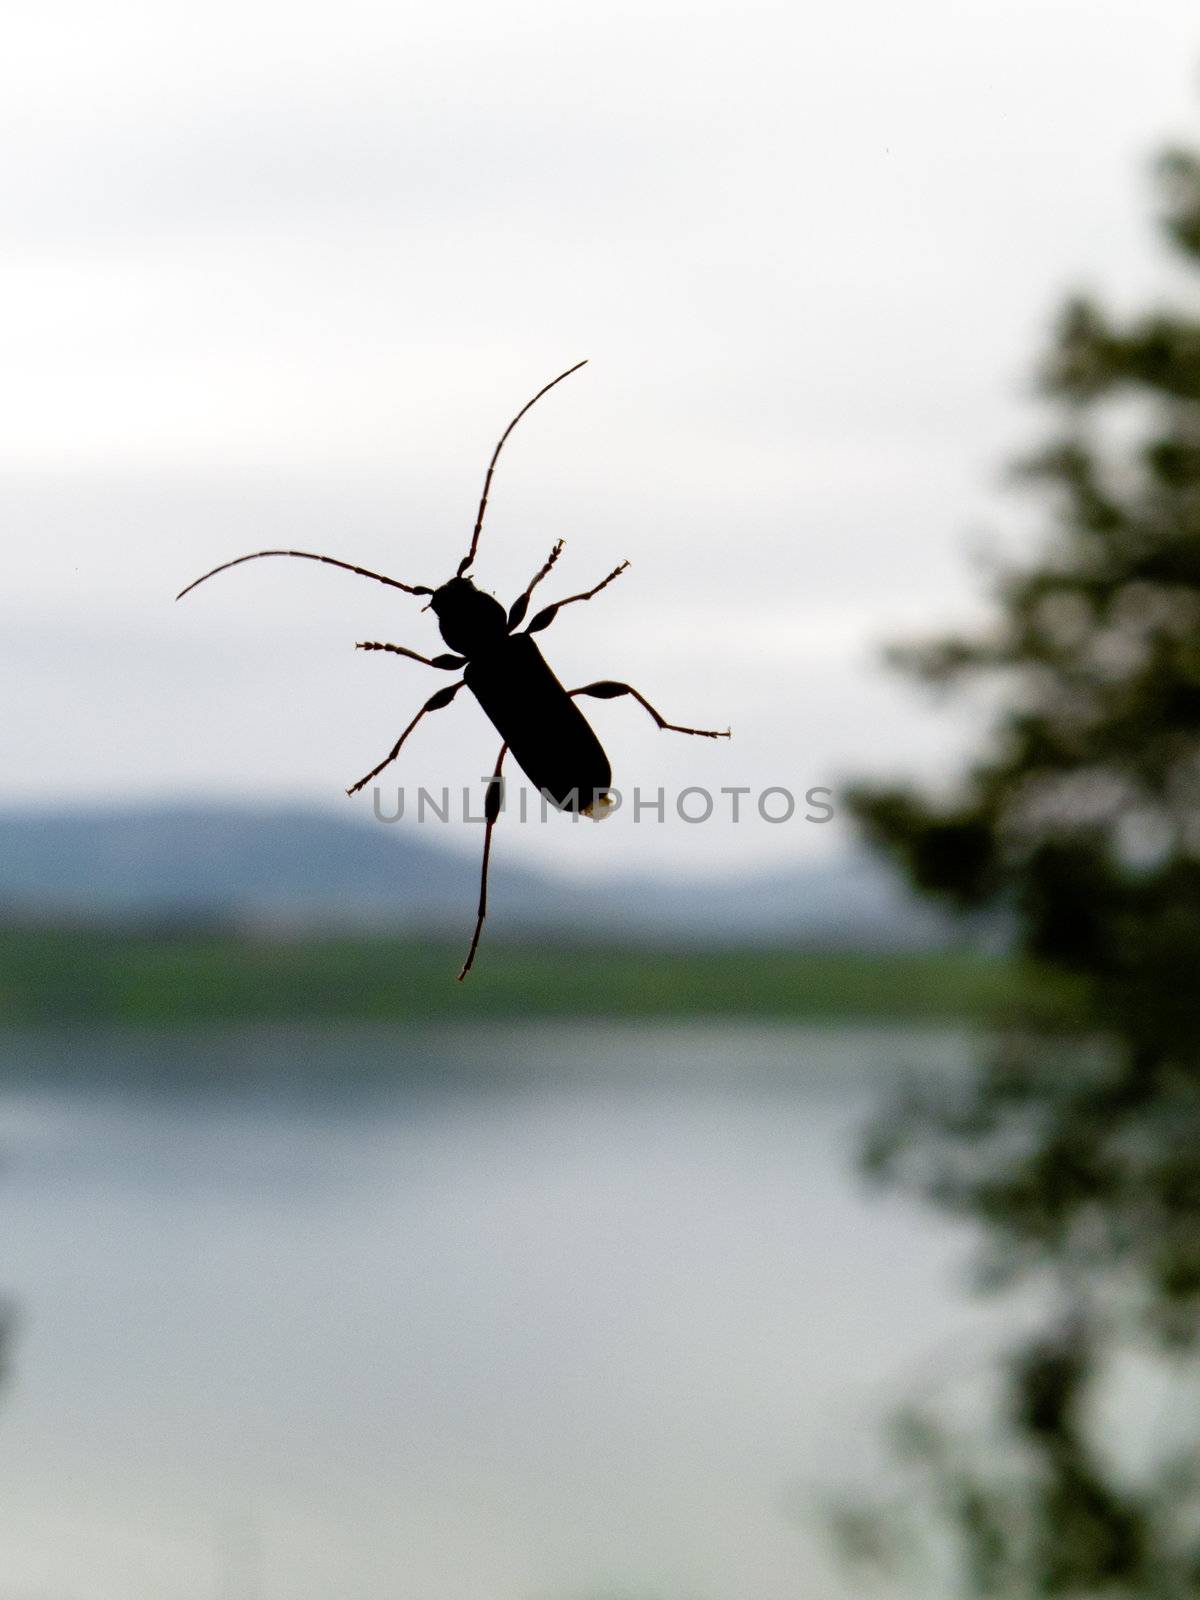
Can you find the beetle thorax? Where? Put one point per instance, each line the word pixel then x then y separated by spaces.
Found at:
pixel 471 622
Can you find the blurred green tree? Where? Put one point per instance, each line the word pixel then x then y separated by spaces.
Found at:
pixel 1075 1145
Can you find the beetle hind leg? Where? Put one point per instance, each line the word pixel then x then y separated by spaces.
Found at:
pixel 491 811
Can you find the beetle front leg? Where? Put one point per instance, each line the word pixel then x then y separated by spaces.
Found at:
pixel 443 663
pixel 436 702
pixel 491 811
pixel 516 612
pixel 545 617
pixel 607 689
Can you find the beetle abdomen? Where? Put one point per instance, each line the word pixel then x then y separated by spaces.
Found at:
pixel 549 737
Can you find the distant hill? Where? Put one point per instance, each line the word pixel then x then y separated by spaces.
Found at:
pixel 302 867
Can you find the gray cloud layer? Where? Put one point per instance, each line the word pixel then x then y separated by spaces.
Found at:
pixel 277 273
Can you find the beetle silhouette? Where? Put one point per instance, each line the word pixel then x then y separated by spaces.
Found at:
pixel 541 726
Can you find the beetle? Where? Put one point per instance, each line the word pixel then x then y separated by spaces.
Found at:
pixel 537 718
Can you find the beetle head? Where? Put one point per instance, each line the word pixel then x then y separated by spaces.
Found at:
pixel 469 619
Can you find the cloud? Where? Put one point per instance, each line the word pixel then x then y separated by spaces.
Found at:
pixel 284 272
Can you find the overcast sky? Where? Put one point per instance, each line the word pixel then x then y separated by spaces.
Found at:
pixel 280 273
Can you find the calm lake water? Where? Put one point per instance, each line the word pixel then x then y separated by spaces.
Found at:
pixel 556 1312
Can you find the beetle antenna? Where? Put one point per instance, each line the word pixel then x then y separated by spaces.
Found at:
pixel 307 555
pixel 487 482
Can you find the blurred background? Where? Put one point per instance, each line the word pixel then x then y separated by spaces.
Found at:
pixel 325 1275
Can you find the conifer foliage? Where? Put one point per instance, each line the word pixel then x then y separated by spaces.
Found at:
pixel 1075 1146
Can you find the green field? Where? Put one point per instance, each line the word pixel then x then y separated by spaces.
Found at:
pixel 96 976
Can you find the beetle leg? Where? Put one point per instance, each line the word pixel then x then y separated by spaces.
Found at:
pixel 606 689
pixel 435 703
pixel 443 663
pixel 545 617
pixel 516 612
pixel 491 811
